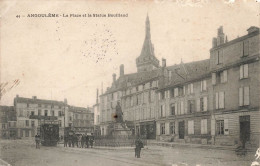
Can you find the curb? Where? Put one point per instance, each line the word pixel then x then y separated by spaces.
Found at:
pixel 4 163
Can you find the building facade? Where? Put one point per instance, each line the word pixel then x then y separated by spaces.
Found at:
pixel 30 112
pixel 82 120
pixel 212 101
pixel 7 122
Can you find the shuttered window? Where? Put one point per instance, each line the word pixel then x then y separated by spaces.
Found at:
pixel 244 71
pixel 220 100
pixel 190 127
pixel 244 96
pixel 176 92
pixel 182 107
pixel 203 85
pixel 214 79
pixel 223 76
pixel 204 126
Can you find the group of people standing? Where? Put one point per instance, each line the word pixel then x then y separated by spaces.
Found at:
pixel 79 141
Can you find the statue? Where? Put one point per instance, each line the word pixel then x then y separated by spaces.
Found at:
pixel 119 113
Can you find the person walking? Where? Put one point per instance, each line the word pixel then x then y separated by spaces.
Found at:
pixel 87 140
pixel 138 146
pixel 65 141
pixel 83 140
pixel 79 141
pixel 37 140
pixel 91 140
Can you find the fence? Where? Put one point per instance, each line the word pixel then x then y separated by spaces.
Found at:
pixel 119 141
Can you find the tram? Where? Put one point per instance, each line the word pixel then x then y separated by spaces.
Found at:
pixel 49 132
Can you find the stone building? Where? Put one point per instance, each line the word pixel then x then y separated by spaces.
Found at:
pixel 7 122
pixel 82 120
pixel 135 92
pixel 215 101
pixel 234 67
pixel 30 112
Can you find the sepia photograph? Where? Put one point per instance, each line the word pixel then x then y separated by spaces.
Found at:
pixel 129 82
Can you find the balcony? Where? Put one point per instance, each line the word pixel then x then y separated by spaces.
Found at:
pixel 39 117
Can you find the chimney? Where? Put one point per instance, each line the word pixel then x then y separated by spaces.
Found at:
pixel 97 97
pixel 34 97
pixel 17 96
pixel 122 70
pixel 163 62
pixel 214 42
pixel 65 101
pixel 114 78
pixel 221 36
pixel 252 29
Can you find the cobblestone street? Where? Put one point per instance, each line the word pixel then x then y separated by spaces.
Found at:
pixel 23 153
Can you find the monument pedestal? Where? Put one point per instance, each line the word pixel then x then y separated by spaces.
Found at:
pixel 121 130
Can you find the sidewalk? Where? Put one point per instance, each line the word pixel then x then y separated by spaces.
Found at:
pixel 190 145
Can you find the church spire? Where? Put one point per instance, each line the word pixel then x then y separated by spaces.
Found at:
pixel 147 60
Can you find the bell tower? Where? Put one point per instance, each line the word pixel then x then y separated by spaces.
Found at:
pixel 147 60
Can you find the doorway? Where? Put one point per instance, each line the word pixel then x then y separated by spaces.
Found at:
pixel 181 129
pixel 244 128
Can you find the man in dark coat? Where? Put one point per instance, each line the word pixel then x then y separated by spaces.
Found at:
pixel 37 140
pixel 83 140
pixel 91 140
pixel 87 141
pixel 138 146
pixel 65 141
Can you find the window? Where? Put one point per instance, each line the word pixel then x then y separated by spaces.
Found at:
pixel 190 88
pixel 203 85
pixel 33 123
pixel 204 126
pixel 27 104
pixel 162 109
pixel 45 112
pixel 191 106
pixel 202 104
pixel 52 113
pixel 26 133
pixel 60 113
pixel 32 113
pixel 59 123
pixel 214 78
pixel 244 71
pixel 182 107
pixel 219 57
pixel 245 48
pixel 27 122
pixel 176 92
pixel 190 127
pixel 220 100
pixel 3 126
pixel 172 128
pixel 220 127
pixel 162 128
pixel 223 76
pixel 39 112
pixel 163 95
pixel 172 109
pixel 244 96
pixel 39 105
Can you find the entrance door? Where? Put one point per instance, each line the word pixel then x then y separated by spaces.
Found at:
pixel 244 128
pixel 181 130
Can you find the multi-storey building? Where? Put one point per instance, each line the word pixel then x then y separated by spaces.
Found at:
pixel 83 119
pixel 135 92
pixel 216 100
pixel 7 122
pixel 31 112
pixel 234 67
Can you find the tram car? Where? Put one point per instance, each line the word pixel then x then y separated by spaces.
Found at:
pixel 49 132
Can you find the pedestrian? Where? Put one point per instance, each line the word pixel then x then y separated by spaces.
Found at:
pixel 79 140
pixel 138 146
pixel 37 140
pixel 76 140
pixel 70 140
pixel 65 141
pixel 87 141
pixel 91 140
pixel 83 140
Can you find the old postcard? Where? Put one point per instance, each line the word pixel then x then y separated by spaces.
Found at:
pixel 122 82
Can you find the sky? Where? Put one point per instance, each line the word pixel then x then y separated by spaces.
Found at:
pixel 70 57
